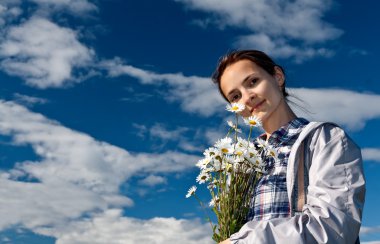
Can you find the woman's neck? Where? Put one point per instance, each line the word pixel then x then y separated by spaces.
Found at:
pixel 283 115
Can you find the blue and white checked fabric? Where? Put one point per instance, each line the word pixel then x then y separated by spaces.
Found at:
pixel 270 195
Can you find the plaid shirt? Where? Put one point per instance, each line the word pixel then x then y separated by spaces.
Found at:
pixel 270 196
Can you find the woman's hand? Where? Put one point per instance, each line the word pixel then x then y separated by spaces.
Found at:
pixel 225 242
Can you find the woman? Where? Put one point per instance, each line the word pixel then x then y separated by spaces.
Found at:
pixel 315 192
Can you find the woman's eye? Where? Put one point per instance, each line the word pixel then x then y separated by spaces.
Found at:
pixel 253 82
pixel 234 98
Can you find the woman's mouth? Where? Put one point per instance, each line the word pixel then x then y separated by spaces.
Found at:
pixel 257 106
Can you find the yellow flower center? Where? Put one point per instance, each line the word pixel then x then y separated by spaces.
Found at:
pixel 235 108
pixel 252 122
pixel 224 150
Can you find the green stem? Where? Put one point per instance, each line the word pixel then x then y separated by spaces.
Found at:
pixel 229 132
pixel 237 121
pixel 250 133
pixel 204 210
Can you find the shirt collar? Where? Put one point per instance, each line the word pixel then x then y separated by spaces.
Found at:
pixel 287 131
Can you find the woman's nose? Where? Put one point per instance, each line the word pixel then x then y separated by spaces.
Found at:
pixel 247 98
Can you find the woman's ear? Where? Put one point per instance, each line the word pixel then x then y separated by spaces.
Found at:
pixel 279 76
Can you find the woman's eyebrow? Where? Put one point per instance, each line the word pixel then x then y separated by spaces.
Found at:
pixel 248 77
pixel 244 81
pixel 231 92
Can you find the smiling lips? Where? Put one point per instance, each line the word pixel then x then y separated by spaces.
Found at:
pixel 257 106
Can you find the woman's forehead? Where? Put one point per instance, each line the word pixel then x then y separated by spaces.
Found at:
pixel 239 71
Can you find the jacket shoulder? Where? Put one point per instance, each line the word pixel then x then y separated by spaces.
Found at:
pixel 326 133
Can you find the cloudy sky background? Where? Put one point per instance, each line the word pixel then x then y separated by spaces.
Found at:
pixel 106 105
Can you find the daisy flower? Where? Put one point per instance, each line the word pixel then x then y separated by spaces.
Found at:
pixel 252 121
pixel 251 152
pixel 191 191
pixel 214 201
pixel 271 151
pixel 233 126
pixel 261 143
pixel 242 143
pixel 239 159
pixel 224 145
pixel 211 152
pixel 203 177
pixel 217 166
pixel 202 164
pixel 256 161
pixel 235 107
pixel 212 185
pixel 229 159
pixel 239 151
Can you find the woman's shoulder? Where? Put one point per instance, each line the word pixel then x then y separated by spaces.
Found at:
pixel 316 129
pixel 327 132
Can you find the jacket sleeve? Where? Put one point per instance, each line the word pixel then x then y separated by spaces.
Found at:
pixel 335 198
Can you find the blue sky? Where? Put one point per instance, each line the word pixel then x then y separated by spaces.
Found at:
pixel 105 106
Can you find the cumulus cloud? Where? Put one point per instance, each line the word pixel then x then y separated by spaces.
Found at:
pixel 160 131
pixel 74 174
pixel 39 204
pixel 371 154
pixel 279 47
pixel 153 180
pixel 112 227
pixel 195 94
pixel 43 53
pixel 273 23
pixel 184 137
pixel 73 6
pixel 349 108
pixel 9 10
pixel 198 94
pixel 367 230
pixel 28 101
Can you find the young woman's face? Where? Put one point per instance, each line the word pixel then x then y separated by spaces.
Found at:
pixel 247 83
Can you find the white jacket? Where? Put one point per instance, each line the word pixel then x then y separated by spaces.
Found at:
pixel 335 194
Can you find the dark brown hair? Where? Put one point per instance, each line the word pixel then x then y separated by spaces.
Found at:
pixel 261 59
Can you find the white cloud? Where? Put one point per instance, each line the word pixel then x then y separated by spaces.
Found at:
pixel 74 175
pixel 280 22
pixel 195 94
pixel 348 108
pixel 28 100
pixel 185 138
pixel 367 230
pixel 73 6
pixel 191 146
pixel 43 53
pixel 111 227
pixel 160 131
pixel 371 154
pixel 153 180
pixel 279 47
pixel 38 204
pixel 167 162
pixel 198 94
pixel 9 10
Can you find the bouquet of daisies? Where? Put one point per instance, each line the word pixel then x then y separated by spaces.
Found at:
pixel 231 169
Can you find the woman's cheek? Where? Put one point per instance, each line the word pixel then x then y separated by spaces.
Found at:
pixel 245 113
